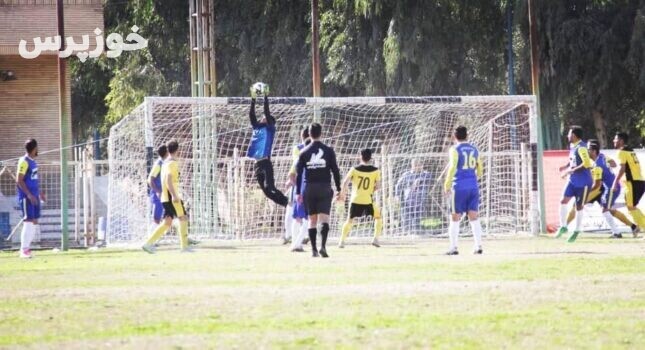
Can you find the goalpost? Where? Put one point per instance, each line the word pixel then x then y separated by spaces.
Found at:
pixel 224 200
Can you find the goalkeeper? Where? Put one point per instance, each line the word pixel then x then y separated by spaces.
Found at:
pixel 261 146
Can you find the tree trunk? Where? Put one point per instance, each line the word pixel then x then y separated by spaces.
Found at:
pixel 599 125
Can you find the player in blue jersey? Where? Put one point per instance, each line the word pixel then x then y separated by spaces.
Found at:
pixel 154 181
pixel 580 182
pixel 601 191
pixel 29 196
pixel 461 185
pixel 260 150
pixel 298 214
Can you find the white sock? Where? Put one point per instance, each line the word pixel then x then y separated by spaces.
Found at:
pixel 288 222
pixel 23 236
pixel 564 212
pixel 578 220
pixel 476 226
pixel 453 233
pixel 610 221
pixel 26 235
pixel 297 228
pixel 35 233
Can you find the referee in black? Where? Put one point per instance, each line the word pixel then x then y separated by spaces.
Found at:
pixel 317 163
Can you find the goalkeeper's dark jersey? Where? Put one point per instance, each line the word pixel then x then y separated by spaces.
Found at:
pixel 263 134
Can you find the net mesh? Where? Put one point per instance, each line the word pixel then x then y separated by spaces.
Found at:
pixel 410 138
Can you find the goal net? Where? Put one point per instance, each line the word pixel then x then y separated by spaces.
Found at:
pixel 410 137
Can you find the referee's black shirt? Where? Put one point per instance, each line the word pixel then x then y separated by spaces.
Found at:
pixel 318 163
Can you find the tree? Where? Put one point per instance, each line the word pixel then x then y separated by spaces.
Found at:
pixel 592 55
pixel 592 62
pixel 105 90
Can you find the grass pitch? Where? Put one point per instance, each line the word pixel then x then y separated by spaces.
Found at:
pixel 522 293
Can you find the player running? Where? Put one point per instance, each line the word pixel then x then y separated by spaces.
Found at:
pixel 316 164
pixel 154 181
pixel 634 181
pixel 261 147
pixel 29 196
pixel 464 169
pixel 365 180
pixel 601 191
pixel 580 182
pixel 171 200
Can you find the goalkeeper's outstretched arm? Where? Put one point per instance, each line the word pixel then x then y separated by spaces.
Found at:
pixel 267 112
pixel 252 117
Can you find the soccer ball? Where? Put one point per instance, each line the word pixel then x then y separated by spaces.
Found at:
pixel 260 89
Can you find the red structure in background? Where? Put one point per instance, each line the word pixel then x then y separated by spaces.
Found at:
pixel 553 185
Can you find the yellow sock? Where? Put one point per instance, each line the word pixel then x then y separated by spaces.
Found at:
pixel 638 217
pixel 378 227
pixel 620 216
pixel 347 226
pixel 183 234
pixel 157 233
pixel 572 214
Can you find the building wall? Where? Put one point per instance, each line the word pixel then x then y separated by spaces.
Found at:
pixel 29 105
pixel 27 22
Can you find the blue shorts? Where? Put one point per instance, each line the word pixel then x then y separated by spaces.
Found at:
pixel 608 197
pixel 157 207
pixel 465 200
pixel 29 211
pixel 580 193
pixel 299 211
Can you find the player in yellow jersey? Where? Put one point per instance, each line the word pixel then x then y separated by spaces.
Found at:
pixel 365 180
pixel 601 190
pixel 634 181
pixel 171 200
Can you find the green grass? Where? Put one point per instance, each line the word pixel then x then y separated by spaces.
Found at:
pixel 522 293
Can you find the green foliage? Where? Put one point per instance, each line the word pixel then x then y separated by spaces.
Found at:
pixel 263 41
pixel 106 89
pixel 89 88
pixel 592 63
pixel 592 55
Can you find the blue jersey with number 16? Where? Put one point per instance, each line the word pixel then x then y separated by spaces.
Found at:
pixel 465 167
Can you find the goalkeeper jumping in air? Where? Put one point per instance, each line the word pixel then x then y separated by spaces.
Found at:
pixel 261 146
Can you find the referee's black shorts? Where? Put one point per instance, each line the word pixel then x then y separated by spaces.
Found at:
pixel 360 210
pixel 317 198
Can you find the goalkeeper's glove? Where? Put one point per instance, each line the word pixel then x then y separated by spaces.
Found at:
pixel 253 93
pixel 266 90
